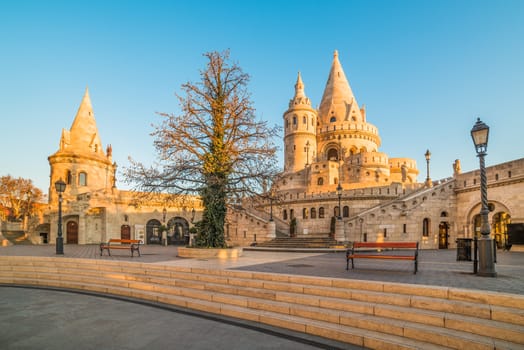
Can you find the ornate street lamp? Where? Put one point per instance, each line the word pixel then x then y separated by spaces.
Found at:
pixel 428 179
pixel 60 187
pixel 479 134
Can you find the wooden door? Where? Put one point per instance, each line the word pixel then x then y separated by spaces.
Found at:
pixel 72 232
pixel 125 232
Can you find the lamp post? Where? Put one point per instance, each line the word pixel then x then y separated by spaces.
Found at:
pixel 428 179
pixel 60 187
pixel 164 213
pixel 361 220
pixel 479 134
pixel 339 194
pixel 307 152
pixel 271 194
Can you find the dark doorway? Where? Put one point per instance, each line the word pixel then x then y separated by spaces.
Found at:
pixel 153 232
pixel 443 235
pixel 178 231
pixel 125 232
pixel 72 232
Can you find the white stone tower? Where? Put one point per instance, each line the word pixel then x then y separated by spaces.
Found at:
pixel 341 122
pixel 300 123
pixel 80 160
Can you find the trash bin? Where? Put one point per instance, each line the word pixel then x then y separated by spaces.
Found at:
pixel 464 249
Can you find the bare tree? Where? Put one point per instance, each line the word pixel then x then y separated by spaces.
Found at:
pixel 215 148
pixel 18 195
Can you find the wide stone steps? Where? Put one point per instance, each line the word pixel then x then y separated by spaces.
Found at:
pixel 371 314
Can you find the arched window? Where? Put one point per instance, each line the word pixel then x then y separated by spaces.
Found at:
pixel 294 120
pixel 313 213
pixel 477 223
pixel 345 211
pixel 304 120
pixel 69 177
pixel 304 213
pixel 320 181
pixel 82 179
pixel 333 119
pixel 291 214
pixel 284 214
pixel 321 212
pixel 332 154
pixel 444 214
pixel 336 212
pixel 425 227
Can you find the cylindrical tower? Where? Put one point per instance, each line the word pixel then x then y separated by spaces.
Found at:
pixel 300 123
pixel 80 160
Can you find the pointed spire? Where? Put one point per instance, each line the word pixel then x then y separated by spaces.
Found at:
pixel 84 113
pixel 299 87
pixel 338 100
pixel 300 97
pixel 84 132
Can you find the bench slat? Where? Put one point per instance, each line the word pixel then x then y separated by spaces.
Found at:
pixel 399 257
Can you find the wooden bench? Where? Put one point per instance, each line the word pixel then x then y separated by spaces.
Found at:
pixel 361 250
pixel 114 243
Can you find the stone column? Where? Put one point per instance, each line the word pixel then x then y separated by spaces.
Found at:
pixel 340 235
pixel 271 230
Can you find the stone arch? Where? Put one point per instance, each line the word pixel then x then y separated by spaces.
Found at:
pixel 153 235
pixel 177 231
pixel 332 153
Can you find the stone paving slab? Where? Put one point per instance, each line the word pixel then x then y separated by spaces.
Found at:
pixel 48 319
pixel 436 267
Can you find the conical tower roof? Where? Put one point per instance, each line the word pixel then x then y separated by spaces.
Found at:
pixel 83 135
pixel 338 100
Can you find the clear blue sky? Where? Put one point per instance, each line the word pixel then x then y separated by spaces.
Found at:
pixel 424 69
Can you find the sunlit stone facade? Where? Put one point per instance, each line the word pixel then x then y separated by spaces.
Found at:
pixel 94 209
pixel 380 196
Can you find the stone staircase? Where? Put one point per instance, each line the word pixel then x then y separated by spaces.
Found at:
pixel 376 315
pixel 310 242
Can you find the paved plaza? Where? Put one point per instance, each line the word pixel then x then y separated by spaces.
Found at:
pixel 51 319
pixel 436 267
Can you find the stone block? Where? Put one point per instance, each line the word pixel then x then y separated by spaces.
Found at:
pixel 267 305
pixel 400 313
pixel 420 290
pixel 335 333
pixel 298 299
pixel 285 287
pixel 508 315
pixel 328 292
pixel 347 305
pixel 282 321
pixel 330 316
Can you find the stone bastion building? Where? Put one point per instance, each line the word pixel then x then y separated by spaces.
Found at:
pixel 331 155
